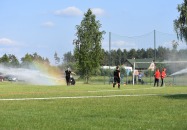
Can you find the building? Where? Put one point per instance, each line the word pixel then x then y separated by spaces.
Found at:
pixel 128 69
pixel 145 64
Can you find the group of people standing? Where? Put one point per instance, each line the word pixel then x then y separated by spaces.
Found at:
pixel 159 75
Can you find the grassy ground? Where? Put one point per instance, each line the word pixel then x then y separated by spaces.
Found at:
pixel 93 107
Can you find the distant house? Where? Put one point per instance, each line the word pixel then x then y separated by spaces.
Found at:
pixel 114 67
pixel 146 64
pixel 128 69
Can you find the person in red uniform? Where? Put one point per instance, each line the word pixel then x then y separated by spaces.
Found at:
pixel 163 75
pixel 116 77
pixel 157 77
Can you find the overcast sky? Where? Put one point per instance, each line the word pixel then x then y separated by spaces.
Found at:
pixel 48 26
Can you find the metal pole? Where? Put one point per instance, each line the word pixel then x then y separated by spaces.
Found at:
pixel 103 73
pixel 155 44
pixel 133 74
pixel 109 61
pixel 109 49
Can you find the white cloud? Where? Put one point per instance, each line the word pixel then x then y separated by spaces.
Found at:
pixel 69 11
pixel 98 11
pixel 48 24
pixel 6 41
pixel 9 46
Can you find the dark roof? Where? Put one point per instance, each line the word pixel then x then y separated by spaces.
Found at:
pixel 140 65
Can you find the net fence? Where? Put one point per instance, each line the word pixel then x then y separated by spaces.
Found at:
pixel 176 72
pixel 153 39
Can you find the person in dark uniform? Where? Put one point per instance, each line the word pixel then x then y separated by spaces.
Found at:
pixel 68 73
pixel 69 79
pixel 116 77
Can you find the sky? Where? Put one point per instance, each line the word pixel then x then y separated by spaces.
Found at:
pixel 48 26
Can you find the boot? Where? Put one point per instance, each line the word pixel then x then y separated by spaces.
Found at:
pixel 114 85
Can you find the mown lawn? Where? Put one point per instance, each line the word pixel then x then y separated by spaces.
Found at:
pixel 96 107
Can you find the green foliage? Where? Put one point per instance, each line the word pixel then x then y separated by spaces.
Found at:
pixel 180 24
pixel 132 54
pixel 106 72
pixel 9 60
pixel 117 57
pixel 149 73
pixel 88 50
pixel 68 57
pixel 123 71
pixel 57 59
pixel 29 60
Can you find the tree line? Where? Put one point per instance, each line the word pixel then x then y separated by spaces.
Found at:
pixel 10 60
pixel 119 56
pixel 113 58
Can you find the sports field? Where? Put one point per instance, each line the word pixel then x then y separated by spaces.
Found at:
pixel 92 107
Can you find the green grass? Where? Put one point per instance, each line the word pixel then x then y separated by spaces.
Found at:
pixel 165 109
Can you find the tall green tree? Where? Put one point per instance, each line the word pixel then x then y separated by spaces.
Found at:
pixel 4 60
pixel 9 60
pixel 113 58
pixel 180 24
pixel 124 55
pixel 163 53
pixel 132 54
pixel 27 60
pixel 88 50
pixel 68 57
pixel 57 59
pixel 150 53
pixel 141 53
pixel 119 57
pixel 13 60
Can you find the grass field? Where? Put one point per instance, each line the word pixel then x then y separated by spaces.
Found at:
pixel 92 107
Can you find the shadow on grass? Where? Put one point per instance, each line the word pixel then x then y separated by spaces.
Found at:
pixel 176 96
